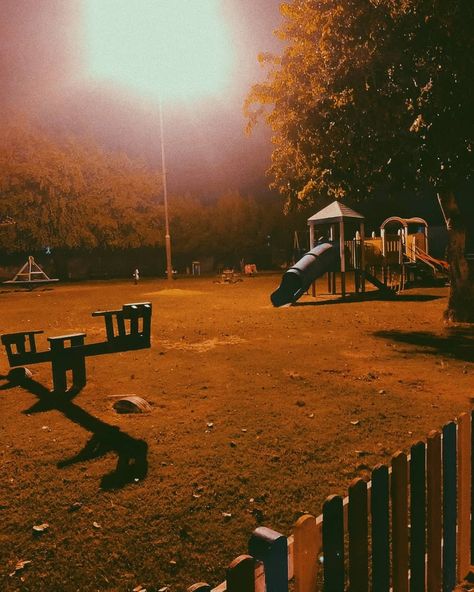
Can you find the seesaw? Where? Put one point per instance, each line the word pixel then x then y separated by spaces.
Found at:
pixel 126 329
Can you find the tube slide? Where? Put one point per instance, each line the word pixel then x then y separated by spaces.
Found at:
pixel 297 279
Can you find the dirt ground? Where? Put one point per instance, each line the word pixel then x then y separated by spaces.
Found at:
pixel 257 415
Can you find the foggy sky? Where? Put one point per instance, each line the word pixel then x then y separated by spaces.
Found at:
pixel 43 71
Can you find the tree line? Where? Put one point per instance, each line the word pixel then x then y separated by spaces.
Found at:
pixel 70 195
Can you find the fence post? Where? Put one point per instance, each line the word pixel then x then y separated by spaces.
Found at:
pixel 358 537
pixel 417 516
pixel 306 546
pixel 399 495
pixel 464 495
pixel 271 547
pixel 241 574
pixel 449 506
pixel 379 507
pixel 433 506
pixel 333 544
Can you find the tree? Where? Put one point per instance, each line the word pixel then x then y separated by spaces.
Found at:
pixel 69 194
pixel 371 96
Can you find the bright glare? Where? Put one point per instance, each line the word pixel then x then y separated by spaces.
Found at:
pixel 175 49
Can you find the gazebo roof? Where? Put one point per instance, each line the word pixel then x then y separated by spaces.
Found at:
pixel 335 212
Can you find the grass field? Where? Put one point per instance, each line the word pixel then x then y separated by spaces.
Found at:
pixel 251 424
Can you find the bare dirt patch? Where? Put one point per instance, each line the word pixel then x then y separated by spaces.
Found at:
pixel 257 415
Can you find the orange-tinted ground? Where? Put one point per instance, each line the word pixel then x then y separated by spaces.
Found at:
pixel 251 424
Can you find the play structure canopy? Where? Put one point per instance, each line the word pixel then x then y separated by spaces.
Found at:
pixel 404 221
pixel 335 212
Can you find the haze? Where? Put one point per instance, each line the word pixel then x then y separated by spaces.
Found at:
pixel 58 65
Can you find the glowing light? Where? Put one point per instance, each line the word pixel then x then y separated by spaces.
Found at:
pixel 175 49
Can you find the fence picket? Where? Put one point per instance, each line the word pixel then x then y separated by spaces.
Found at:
pixel 241 574
pixel 333 544
pixel 271 547
pixel 433 507
pixel 358 537
pixel 380 529
pixel 306 547
pixel 200 587
pixel 464 494
pixel 472 489
pixel 417 516
pixel 436 546
pixel 399 495
pixel 449 506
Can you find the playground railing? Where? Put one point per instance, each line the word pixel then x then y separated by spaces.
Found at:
pixel 407 529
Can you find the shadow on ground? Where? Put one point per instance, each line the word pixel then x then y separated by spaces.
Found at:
pixel 132 463
pixel 456 342
pixel 370 296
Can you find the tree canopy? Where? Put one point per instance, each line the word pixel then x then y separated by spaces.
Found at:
pixel 68 194
pixel 370 96
pixel 71 194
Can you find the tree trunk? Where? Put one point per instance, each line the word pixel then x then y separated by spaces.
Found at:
pixel 461 296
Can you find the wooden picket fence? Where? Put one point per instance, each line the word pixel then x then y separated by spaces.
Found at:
pixel 408 529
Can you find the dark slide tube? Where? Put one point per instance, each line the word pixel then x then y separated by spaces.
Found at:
pixel 297 279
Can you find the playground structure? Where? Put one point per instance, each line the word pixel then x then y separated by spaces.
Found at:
pixel 126 329
pixel 391 262
pixel 31 275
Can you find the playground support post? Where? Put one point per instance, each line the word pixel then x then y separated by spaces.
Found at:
pixel 362 257
pixel 343 258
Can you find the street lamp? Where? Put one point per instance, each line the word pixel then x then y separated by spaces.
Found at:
pixel 170 50
pixel 169 266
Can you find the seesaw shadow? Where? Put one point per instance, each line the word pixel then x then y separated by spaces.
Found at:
pixel 132 462
pixel 457 342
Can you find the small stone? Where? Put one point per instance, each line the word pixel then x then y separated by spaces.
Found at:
pixel 381 392
pixel 74 507
pixel 96 525
pixel 227 515
pixel 233 444
pixel 355 422
pixel 210 424
pixel 20 565
pixel 311 415
pixel 39 529
pixel 300 403
pixel 243 430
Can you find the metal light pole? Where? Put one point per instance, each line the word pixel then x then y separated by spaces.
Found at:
pixel 169 266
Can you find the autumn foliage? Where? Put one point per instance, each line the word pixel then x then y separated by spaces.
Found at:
pixel 72 196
